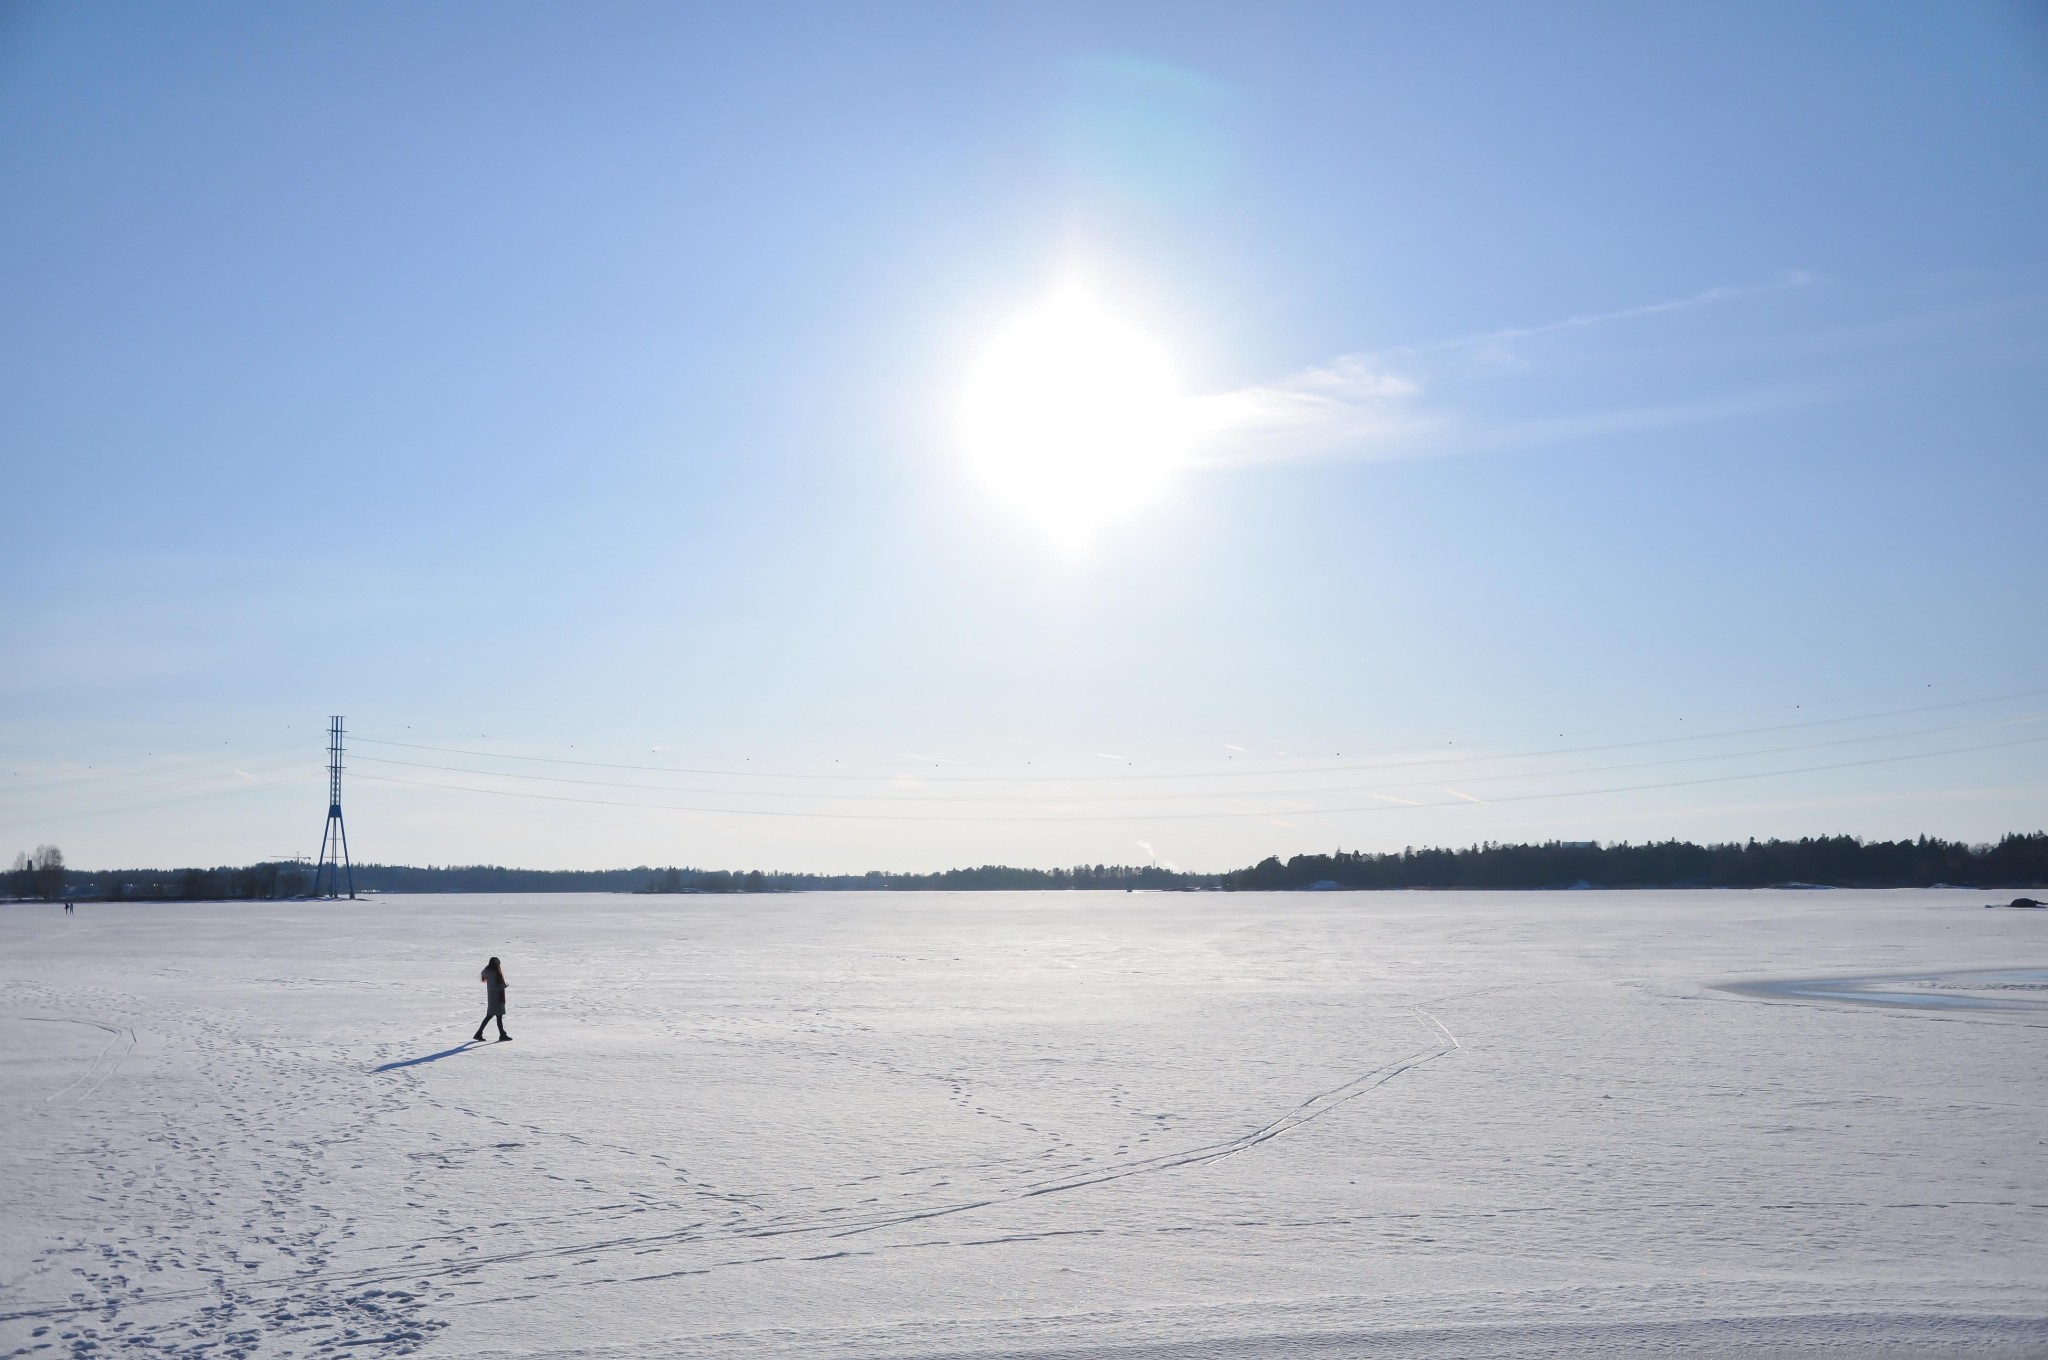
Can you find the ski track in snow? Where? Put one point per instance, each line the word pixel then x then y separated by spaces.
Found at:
pixel 352 1301
pixel 199 1185
pixel 95 1073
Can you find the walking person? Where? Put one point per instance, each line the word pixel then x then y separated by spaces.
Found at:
pixel 494 997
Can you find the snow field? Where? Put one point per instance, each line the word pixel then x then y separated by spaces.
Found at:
pixel 1022 1124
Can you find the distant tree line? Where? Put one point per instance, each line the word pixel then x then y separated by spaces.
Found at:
pixel 986 878
pixel 249 882
pixel 1832 861
pixel 37 873
pixel 294 879
pixel 401 878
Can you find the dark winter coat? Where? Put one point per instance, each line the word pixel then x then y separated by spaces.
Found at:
pixel 495 989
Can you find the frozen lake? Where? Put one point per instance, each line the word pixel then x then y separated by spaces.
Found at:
pixel 1132 1125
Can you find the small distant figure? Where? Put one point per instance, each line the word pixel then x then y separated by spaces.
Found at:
pixel 494 997
pixel 67 909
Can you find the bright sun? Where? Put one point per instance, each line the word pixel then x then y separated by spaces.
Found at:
pixel 1073 416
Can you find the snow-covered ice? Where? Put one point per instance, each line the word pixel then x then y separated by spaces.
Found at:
pixel 1133 1125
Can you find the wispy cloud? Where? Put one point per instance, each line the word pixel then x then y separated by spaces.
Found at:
pixel 1588 424
pixel 1707 297
pixel 1352 403
pixel 1417 399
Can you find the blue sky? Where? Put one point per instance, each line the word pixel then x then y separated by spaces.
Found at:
pixel 549 384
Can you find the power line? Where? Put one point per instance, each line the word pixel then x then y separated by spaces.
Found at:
pixel 87 797
pixel 1214 793
pixel 180 798
pixel 1213 816
pixel 59 782
pixel 1215 774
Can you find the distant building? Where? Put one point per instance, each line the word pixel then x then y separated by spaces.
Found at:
pixel 1578 845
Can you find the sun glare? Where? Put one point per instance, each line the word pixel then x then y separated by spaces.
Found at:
pixel 1073 416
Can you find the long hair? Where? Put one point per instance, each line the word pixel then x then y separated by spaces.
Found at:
pixel 495 967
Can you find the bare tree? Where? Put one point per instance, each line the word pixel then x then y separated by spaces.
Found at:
pixel 47 873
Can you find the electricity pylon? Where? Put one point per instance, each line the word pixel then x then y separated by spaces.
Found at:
pixel 334 837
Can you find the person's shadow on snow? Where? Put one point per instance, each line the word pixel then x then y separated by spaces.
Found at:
pixel 431 1057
